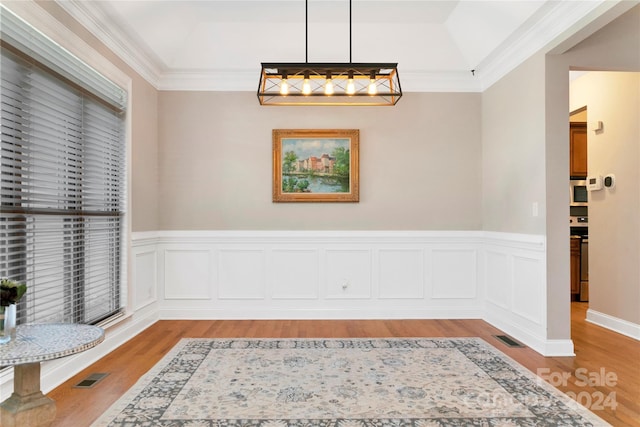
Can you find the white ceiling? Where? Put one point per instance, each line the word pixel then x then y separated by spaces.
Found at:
pixel 219 44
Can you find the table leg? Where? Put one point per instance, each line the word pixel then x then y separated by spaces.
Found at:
pixel 27 406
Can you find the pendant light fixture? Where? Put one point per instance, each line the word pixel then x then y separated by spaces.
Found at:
pixel 310 83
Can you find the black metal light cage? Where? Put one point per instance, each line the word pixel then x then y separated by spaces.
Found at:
pixel 308 83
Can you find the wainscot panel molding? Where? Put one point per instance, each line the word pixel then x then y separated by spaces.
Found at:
pixel 516 290
pixel 187 273
pixel 144 274
pixel 348 274
pixel 319 274
pixel 498 277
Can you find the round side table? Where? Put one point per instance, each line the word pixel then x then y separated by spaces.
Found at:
pixel 27 406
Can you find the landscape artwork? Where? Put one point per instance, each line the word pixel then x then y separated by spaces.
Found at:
pixel 315 165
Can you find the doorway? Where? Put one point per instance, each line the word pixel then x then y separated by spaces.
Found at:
pixel 613 226
pixel 578 203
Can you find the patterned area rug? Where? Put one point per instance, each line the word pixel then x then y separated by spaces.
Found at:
pixel 383 382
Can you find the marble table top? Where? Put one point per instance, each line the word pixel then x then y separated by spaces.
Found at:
pixel 47 341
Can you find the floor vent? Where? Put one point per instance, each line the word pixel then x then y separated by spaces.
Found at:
pixel 91 380
pixel 510 342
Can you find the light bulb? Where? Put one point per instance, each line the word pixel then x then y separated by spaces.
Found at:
pixel 328 88
pixel 284 87
pixel 351 87
pixel 373 89
pixel 306 87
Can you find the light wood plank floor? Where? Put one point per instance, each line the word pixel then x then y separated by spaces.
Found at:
pixel 596 349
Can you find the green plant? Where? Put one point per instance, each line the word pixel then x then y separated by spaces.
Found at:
pixel 289 185
pixel 289 162
pixel 11 292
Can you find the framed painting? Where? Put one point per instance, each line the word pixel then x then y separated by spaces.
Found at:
pixel 316 165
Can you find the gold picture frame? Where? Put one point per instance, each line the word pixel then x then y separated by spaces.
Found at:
pixel 316 165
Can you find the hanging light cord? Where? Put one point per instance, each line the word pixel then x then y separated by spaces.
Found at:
pixel 306 32
pixel 350 43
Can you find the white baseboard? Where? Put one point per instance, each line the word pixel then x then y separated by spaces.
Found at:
pixel 558 348
pixel 615 324
pixel 546 347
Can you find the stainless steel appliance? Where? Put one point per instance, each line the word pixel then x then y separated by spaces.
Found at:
pixel 578 192
pixel 584 268
pixel 579 225
pixel 577 222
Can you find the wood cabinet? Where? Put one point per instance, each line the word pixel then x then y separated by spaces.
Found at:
pixel 575 266
pixel 578 149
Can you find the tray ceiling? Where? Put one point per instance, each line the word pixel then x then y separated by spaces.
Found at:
pixel 219 45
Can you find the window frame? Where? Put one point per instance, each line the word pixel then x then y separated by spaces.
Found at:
pixel 45 23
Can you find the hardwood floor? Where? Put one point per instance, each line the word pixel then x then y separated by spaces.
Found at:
pixel 597 350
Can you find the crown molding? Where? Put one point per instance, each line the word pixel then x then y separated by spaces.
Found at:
pixel 93 18
pixel 439 81
pixel 557 20
pixel 211 80
pixel 247 81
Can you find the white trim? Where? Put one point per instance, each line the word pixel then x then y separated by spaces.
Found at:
pixel 548 348
pixel 614 324
pixel 558 348
pixel 141 238
pixel 531 242
pixel 557 20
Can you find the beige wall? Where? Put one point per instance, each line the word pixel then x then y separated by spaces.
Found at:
pixel 145 188
pixel 614 222
pixel 419 164
pixel 513 151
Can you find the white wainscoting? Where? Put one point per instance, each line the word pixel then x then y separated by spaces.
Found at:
pixel 318 275
pixel 498 277
pixel 516 290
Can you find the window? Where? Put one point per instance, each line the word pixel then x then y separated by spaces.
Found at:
pixel 62 179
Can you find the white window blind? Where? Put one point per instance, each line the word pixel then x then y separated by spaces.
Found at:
pixel 62 180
